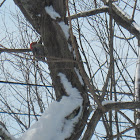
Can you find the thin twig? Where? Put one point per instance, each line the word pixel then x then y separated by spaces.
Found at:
pixel 80 64
pixel 90 13
pixel 2 3
pixel 134 9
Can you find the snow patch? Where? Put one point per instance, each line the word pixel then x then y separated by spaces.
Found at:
pixel 79 76
pixel 136 26
pixel 71 50
pixel 73 92
pixel 6 132
pixel 105 6
pixel 70 47
pixel 65 29
pixel 108 102
pixel 137 85
pixel 39 15
pixel 137 78
pixel 137 121
pixel 53 124
pixel 52 12
pixel 122 12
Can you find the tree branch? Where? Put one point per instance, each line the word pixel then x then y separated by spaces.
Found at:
pixel 90 13
pixel 119 16
pixel 124 20
pixel 2 3
pixel 122 105
pixel 15 50
pixel 98 114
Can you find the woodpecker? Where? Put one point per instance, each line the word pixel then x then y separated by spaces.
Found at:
pixel 38 50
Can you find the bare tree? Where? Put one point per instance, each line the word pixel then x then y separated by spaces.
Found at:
pixel 100 48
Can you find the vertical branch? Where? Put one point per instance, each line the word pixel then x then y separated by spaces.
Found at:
pixel 137 95
pixel 28 94
pixel 80 41
pixel 134 9
pixel 111 34
pixel 40 104
pixel 80 64
pixel 28 103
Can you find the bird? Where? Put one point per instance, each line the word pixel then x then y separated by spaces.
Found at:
pixel 38 50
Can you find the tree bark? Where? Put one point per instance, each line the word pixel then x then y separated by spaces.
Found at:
pixel 137 96
pixel 56 47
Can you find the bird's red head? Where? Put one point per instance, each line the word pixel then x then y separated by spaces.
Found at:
pixel 31 45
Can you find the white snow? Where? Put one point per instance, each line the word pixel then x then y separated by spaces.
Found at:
pixel 8 134
pixel 122 12
pixel 137 84
pixel 52 12
pixel 72 50
pixel 53 124
pixel 137 78
pixel 108 102
pixel 137 121
pixel 105 6
pixel 70 47
pixel 65 29
pixel 136 26
pixel 39 15
pixel 73 92
pixel 79 76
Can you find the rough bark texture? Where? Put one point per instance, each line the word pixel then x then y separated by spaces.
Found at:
pixel 137 96
pixel 56 48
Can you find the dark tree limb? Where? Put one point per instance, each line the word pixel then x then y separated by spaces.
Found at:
pixel 15 50
pixel 124 21
pixel 2 3
pixel 98 114
pixel 90 13
pixel 56 46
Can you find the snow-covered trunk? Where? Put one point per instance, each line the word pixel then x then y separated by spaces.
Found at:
pixel 61 62
pixel 137 96
pixel 48 18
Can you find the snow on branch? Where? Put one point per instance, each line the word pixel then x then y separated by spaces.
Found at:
pixel 137 87
pixel 56 122
pixel 122 105
pixel 121 17
pixel 125 16
pixel 5 134
pixel 107 102
pixel 79 76
pixel 90 13
pixel 120 12
pixel 65 29
pixel 52 12
pixel 137 79
pixel 136 26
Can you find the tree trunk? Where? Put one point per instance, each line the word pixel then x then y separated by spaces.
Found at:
pixel 57 48
pixel 137 96
pixel 61 59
